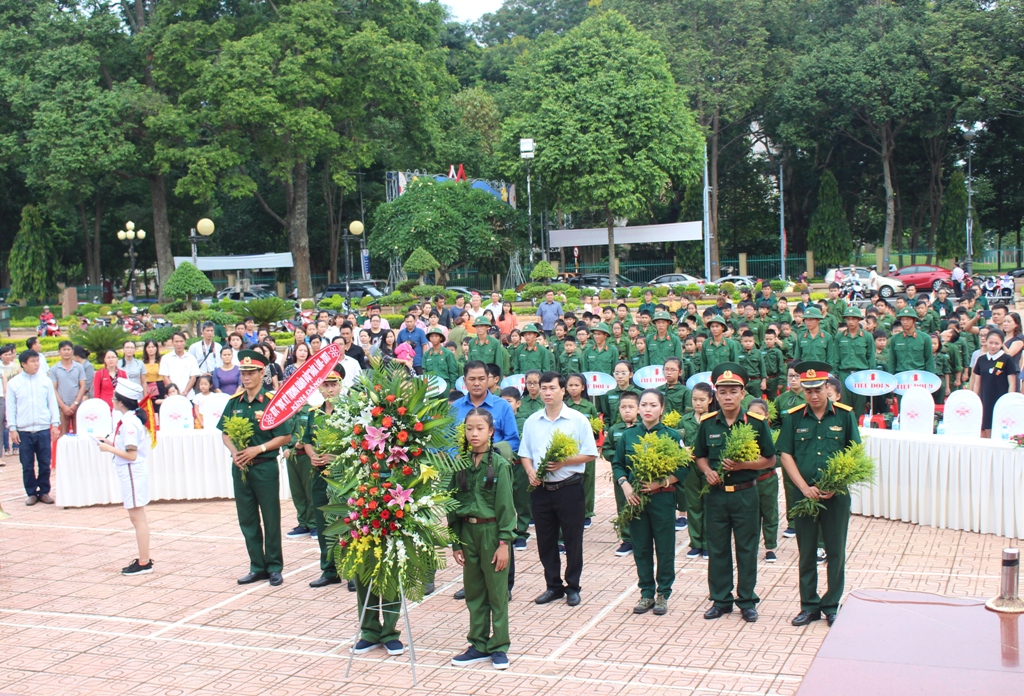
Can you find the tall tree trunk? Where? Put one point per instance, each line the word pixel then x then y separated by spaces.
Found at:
pixel 890 201
pixel 610 222
pixel 97 223
pixel 334 199
pixel 161 231
pixel 298 233
pixel 716 254
pixel 90 270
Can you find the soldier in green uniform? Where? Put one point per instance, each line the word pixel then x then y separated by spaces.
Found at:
pixel 578 400
pixel 774 363
pixel 648 303
pixel 754 324
pixel 793 396
pixel 653 530
pixel 810 435
pixel 259 494
pixel 732 507
pixel 928 321
pixel 330 389
pixel 484 348
pixel 703 399
pixel 751 360
pixel 601 357
pixel 571 360
pixel 911 349
pixel 608 404
pixel 815 344
pixel 854 351
pixel 691 358
pixel 629 410
pixel 663 345
pixel 717 349
pixel 532 355
pixel 531 402
pixel 300 473
pixel 439 361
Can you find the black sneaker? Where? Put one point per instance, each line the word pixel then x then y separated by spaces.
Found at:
pixel 704 554
pixel 136 569
pixel 822 556
pixel 693 553
pixel 625 548
pixel 769 557
pixel 789 533
pixel 312 533
pixel 681 524
pixel 561 548
pixel 586 522
pixel 519 544
pixel 298 532
pixel 363 647
pixel 531 521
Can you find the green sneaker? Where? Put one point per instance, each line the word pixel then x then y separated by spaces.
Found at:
pixel 661 605
pixel 644 605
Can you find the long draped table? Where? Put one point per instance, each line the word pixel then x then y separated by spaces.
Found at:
pixel 949 482
pixel 189 465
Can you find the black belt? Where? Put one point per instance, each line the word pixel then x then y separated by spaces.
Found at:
pixel 572 480
pixel 749 484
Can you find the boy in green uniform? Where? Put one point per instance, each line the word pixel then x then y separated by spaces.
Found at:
pixel 717 349
pixel 484 348
pixel 911 349
pixel 732 507
pixel 815 344
pixel 300 472
pixel 532 355
pixel 751 360
pixel 629 405
pixel 854 350
pixel 774 362
pixel 439 361
pixel 258 496
pixel 754 324
pixel 571 360
pixel 600 357
pixel 691 358
pixel 648 303
pixel 810 435
pixel 663 345
pixel 520 484
pixel 702 399
pixel 836 306
pixel 928 321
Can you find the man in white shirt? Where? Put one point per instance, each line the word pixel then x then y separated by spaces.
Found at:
pixel 32 343
pixel 495 305
pixel 178 367
pixel 474 310
pixel 207 351
pixel 558 501
pixel 958 280
pixel 33 419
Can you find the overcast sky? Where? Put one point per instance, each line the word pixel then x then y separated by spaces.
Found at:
pixel 471 10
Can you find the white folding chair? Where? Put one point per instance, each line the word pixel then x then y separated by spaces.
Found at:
pixel 93 418
pixel 176 414
pixel 1008 416
pixel 963 413
pixel 212 409
pixel 917 411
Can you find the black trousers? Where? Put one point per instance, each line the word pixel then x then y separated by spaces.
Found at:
pixel 560 512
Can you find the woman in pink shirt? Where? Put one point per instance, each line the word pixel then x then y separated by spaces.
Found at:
pixel 105 381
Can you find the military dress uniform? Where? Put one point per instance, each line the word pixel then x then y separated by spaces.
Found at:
pixel 810 442
pixel 732 509
pixel 854 352
pixel 258 497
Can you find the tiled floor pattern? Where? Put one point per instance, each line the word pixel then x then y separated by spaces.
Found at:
pixel 70 624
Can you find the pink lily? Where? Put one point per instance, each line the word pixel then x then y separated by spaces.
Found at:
pixel 398 454
pixel 376 437
pixel 400 497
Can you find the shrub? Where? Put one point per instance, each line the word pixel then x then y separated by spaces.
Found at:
pixel 509 295
pixel 421 262
pixel 572 294
pixel 559 287
pixel 99 339
pixel 661 291
pixel 778 285
pixel 307 304
pixel 333 302
pixel 799 287
pixel 543 271
pixel 635 291
pixel 366 301
pixel 406 286
pixel 729 287
pixel 396 299
pixel 572 305
pixel 534 291
pixel 159 308
pixel 692 291
pixel 678 289
pixel 757 287
pixel 187 282
pixel 605 294
pixel 621 293
pixel 815 296
pixel 265 311
pixel 710 288
pixel 161 335
pixel 428 291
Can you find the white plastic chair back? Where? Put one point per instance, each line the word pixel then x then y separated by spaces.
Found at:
pixel 93 418
pixel 917 411
pixel 1008 416
pixel 212 409
pixel 176 414
pixel 962 415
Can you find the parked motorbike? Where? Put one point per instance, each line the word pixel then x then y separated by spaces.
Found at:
pixel 852 289
pixel 1006 286
pixel 48 328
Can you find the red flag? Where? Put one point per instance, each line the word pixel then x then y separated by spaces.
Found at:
pixel 461 176
pixel 147 405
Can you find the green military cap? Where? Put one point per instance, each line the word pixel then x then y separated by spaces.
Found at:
pixel 715 319
pixel 601 327
pixel 481 321
pixel 662 315
pixel 852 312
pixel 812 373
pixel 729 374
pixel 530 328
pixel 436 330
pixel 813 313
pixel 337 373
pixel 907 312
pixel 251 360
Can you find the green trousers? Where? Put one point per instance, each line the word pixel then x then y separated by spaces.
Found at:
pixel 589 487
pixel 300 473
pixel 318 489
pixel 792 496
pixel 372 628
pixel 768 493
pixel 754 388
pixel 858 402
pixel 654 531
pixel 832 524
pixel 486 589
pixel 694 508
pixel 255 499
pixel 680 497
pixel 620 502
pixel 773 387
pixel 732 515
pixel 521 500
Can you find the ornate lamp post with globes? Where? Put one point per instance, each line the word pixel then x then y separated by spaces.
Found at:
pixel 355 229
pixel 205 228
pixel 129 236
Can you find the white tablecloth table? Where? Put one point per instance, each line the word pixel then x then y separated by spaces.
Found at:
pixel 189 465
pixel 950 482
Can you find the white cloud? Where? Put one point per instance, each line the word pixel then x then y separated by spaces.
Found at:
pixel 471 10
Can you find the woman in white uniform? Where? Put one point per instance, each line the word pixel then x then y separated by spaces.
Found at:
pixel 131 450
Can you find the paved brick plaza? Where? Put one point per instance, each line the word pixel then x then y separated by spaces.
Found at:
pixel 70 624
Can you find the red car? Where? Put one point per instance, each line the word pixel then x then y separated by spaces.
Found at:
pixel 925 277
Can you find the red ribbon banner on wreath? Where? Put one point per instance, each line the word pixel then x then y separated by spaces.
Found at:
pixel 297 389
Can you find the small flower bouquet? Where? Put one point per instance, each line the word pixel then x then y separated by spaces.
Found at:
pixel 1017 440
pixel 562 447
pixel 597 426
pixel 672 418
pixel 740 446
pixel 239 430
pixel 653 458
pixel 850 467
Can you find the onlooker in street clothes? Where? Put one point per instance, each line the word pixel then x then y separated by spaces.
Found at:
pixel 33 419
pixel 133 368
pixel 957 277
pixel 412 334
pixel 474 310
pixel 178 367
pixel 558 501
pixel 548 312
pixel 444 317
pixel 105 381
pixel 8 368
pixel 207 351
pixel 374 311
pixel 32 343
pixel 81 356
pixel 69 383
pixel 352 350
pixel 227 378
pixel 994 375
pixel 495 304
pixel 350 366
pixel 458 310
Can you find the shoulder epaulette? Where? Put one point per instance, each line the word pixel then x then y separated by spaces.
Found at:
pixel 708 415
pixel 797 408
pixel 758 416
pixel 270 394
pixel 839 404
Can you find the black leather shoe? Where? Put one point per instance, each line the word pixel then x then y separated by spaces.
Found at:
pixel 460 594
pixel 749 614
pixel 831 618
pixel 252 577
pixel 324 582
pixel 275 579
pixel 550 596
pixel 806 617
pixel 351 585
pixel 716 612
pixel 572 598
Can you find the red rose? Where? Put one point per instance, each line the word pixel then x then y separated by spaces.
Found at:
pixel 377 410
pixel 380 455
pixel 343 544
pixel 357 429
pixel 375 466
pixel 373 491
pixel 403 436
pixel 377 387
pixel 361 502
pixel 393 526
pixel 384 514
pixel 364 459
pixel 387 498
pixel 364 513
pixel 402 410
pixel 387 485
pixel 407 471
pixel 417 452
pixel 375 475
pixel 362 488
pixel 399 513
pixel 372 505
pixel 384 532
pixel 390 398
pixel 386 422
pixel 418 427
pixel 365 444
pixel 375 524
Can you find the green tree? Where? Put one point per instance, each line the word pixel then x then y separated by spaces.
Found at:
pixel 613 131
pixel 31 261
pixel 829 234
pixel 457 224
pixel 951 238
pixel 187 281
pixel 420 262
pixel 543 271
pixel 530 19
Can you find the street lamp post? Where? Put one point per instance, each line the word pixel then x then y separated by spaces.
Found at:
pixel 969 137
pixel 526 152
pixel 205 228
pixel 355 229
pixel 128 236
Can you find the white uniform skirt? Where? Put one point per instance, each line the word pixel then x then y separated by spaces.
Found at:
pixel 134 478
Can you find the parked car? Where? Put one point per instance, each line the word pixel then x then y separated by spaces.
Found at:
pixel 738 280
pixel 464 290
pixel 925 277
pixel 358 289
pixel 671 280
pixel 887 286
pixel 239 295
pixel 599 281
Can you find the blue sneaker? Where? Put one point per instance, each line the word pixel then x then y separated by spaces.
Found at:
pixel 472 655
pixel 693 553
pixel 394 647
pixel 519 544
pixel 499 660
pixel 680 524
pixel 312 533
pixel 587 522
pixel 363 647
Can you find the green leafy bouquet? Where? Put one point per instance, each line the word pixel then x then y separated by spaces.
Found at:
pixel 849 467
pixel 562 447
pixel 671 419
pixel 740 446
pixel 654 457
pixel 239 430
